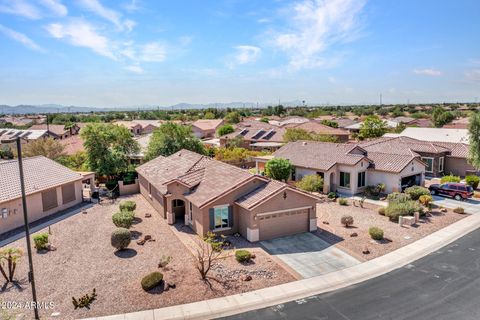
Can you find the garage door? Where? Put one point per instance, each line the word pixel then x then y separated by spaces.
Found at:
pixel 282 224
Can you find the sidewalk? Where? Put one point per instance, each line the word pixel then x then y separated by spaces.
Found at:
pixel 262 298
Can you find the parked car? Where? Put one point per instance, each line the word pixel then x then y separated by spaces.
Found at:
pixel 458 191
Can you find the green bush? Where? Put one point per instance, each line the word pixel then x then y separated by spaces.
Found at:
pixel 331 195
pixel 396 209
pixel 376 233
pixel 123 219
pixel 425 199
pixel 128 205
pixel 225 129
pixel 243 256
pixel 473 181
pixel 347 221
pixel 41 241
pixel 381 211
pixel 450 178
pixel 459 210
pixel 120 238
pixel 416 191
pixel 398 197
pixel 311 183
pixel 342 201
pixel 151 280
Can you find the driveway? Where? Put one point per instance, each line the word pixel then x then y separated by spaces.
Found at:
pixel 309 255
pixel 471 206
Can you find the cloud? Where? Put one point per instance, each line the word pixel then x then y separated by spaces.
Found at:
pixel 20 8
pixel 82 34
pixel 134 68
pixel 108 14
pixel 131 6
pixel 428 72
pixel 153 52
pixel 20 37
pixel 243 55
pixel 55 6
pixel 313 26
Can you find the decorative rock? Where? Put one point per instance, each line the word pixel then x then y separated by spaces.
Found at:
pixel 84 211
pixel 253 256
pixel 366 251
pixel 147 237
pixel 148 215
pixel 141 242
pixel 354 235
pixel 172 285
pixel 246 277
pixel 51 247
pixel 444 210
pixel 325 222
pixel 55 314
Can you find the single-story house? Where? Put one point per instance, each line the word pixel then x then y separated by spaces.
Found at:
pixel 50 188
pixel 436 134
pixel 349 168
pixel 57 131
pixel 135 128
pixel 25 135
pixel 209 195
pixel 356 126
pixel 148 125
pixel 206 128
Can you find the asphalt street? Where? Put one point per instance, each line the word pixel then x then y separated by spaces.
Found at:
pixel 442 285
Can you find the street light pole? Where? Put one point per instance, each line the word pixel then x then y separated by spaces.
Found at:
pixel 31 278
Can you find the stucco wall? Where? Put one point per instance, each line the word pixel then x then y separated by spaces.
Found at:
pixel 156 199
pixel 392 181
pixel 128 188
pixel 35 208
pixel 458 166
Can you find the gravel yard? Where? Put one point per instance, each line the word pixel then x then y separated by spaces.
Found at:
pixel 395 236
pixel 84 260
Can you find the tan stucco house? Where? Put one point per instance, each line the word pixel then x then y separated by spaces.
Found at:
pixel 50 188
pixel 210 195
pixel 206 128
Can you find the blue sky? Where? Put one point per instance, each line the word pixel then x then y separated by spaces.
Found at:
pixel 127 52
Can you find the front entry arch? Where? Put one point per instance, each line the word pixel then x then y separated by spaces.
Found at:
pixel 178 210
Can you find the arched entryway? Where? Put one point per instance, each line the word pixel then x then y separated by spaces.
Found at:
pixel 178 208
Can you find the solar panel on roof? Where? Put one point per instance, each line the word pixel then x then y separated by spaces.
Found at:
pixel 243 132
pixel 269 134
pixel 258 134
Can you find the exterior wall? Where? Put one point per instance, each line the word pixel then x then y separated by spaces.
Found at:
pixel 35 208
pixel 436 161
pixel 129 188
pixel 156 198
pixel 353 170
pixel 341 137
pixel 148 129
pixel 393 181
pixel 459 167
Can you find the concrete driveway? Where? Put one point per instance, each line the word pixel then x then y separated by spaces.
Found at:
pixel 309 255
pixel 471 206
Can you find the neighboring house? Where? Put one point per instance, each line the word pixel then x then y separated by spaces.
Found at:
pixel 25 135
pixel 210 195
pixel 73 144
pixel 458 124
pixel 356 127
pixel 403 119
pixel 349 168
pixel 138 127
pixel 344 122
pixel 50 188
pixel 436 134
pixel 206 128
pixel 321 129
pixel 57 131
pixel 143 142
pixel 288 120
pixel 16 121
pixel 135 128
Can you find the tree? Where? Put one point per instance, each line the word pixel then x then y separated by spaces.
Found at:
pixel 232 117
pixel 441 117
pixel 474 133
pixel 278 169
pixel 329 123
pixel 372 127
pixel 76 161
pixel 170 138
pixel 311 183
pixel 209 115
pixel 225 129
pixel 295 134
pixel 108 147
pixel 48 147
pixel 10 257
pixel 208 252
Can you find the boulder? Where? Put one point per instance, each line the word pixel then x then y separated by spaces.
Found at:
pixel 366 251
pixel 148 215
pixel 354 234
pixel 147 237
pixel 246 277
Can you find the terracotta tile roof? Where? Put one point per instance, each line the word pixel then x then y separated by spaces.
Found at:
pixel 320 155
pixel 207 124
pixel 258 131
pixel 40 174
pixel 249 200
pixel 402 145
pixel 58 129
pixel 72 144
pixel 127 124
pixel 390 162
pixel 319 128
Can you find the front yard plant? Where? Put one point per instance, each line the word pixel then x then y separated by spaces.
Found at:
pixel 376 233
pixel 9 258
pixel 85 301
pixel 41 241
pixel 472 181
pixel 243 256
pixel 415 192
pixel 347 221
pixel 450 178
pixel 425 200
pixel 120 238
pixel 206 256
pixel 459 210
pixel 342 201
pixel 311 183
pixel 128 205
pixel 396 209
pixel 151 280
pixel 398 197
pixel 123 219
pixel 381 211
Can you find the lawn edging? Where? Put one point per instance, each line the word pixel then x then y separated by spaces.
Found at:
pixel 262 298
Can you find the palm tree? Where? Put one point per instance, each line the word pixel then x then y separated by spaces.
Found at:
pixel 9 256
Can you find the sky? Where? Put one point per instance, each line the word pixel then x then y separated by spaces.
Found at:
pixel 109 53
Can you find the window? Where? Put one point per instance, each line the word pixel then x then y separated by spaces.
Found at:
pixel 429 162
pixel 49 199
pixel 177 203
pixel 4 213
pixel 361 179
pixel 221 217
pixel 68 193
pixel 150 189
pixel 190 211
pixel 441 163
pixel 345 179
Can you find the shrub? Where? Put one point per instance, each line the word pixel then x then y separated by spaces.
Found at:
pixel 346 221
pixel 311 183
pixel 459 210
pixel 396 209
pixel 450 178
pixel 151 280
pixel 416 191
pixel 376 233
pixel 381 211
pixel 41 241
pixel 342 202
pixel 243 256
pixel 225 129
pixel 120 238
pixel 331 195
pixel 398 197
pixel 425 199
pixel 473 181
pixel 123 219
pixel 128 205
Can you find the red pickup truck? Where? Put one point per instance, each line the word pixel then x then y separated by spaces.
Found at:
pixel 458 191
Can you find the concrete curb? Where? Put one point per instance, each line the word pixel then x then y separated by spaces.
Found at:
pixel 267 297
